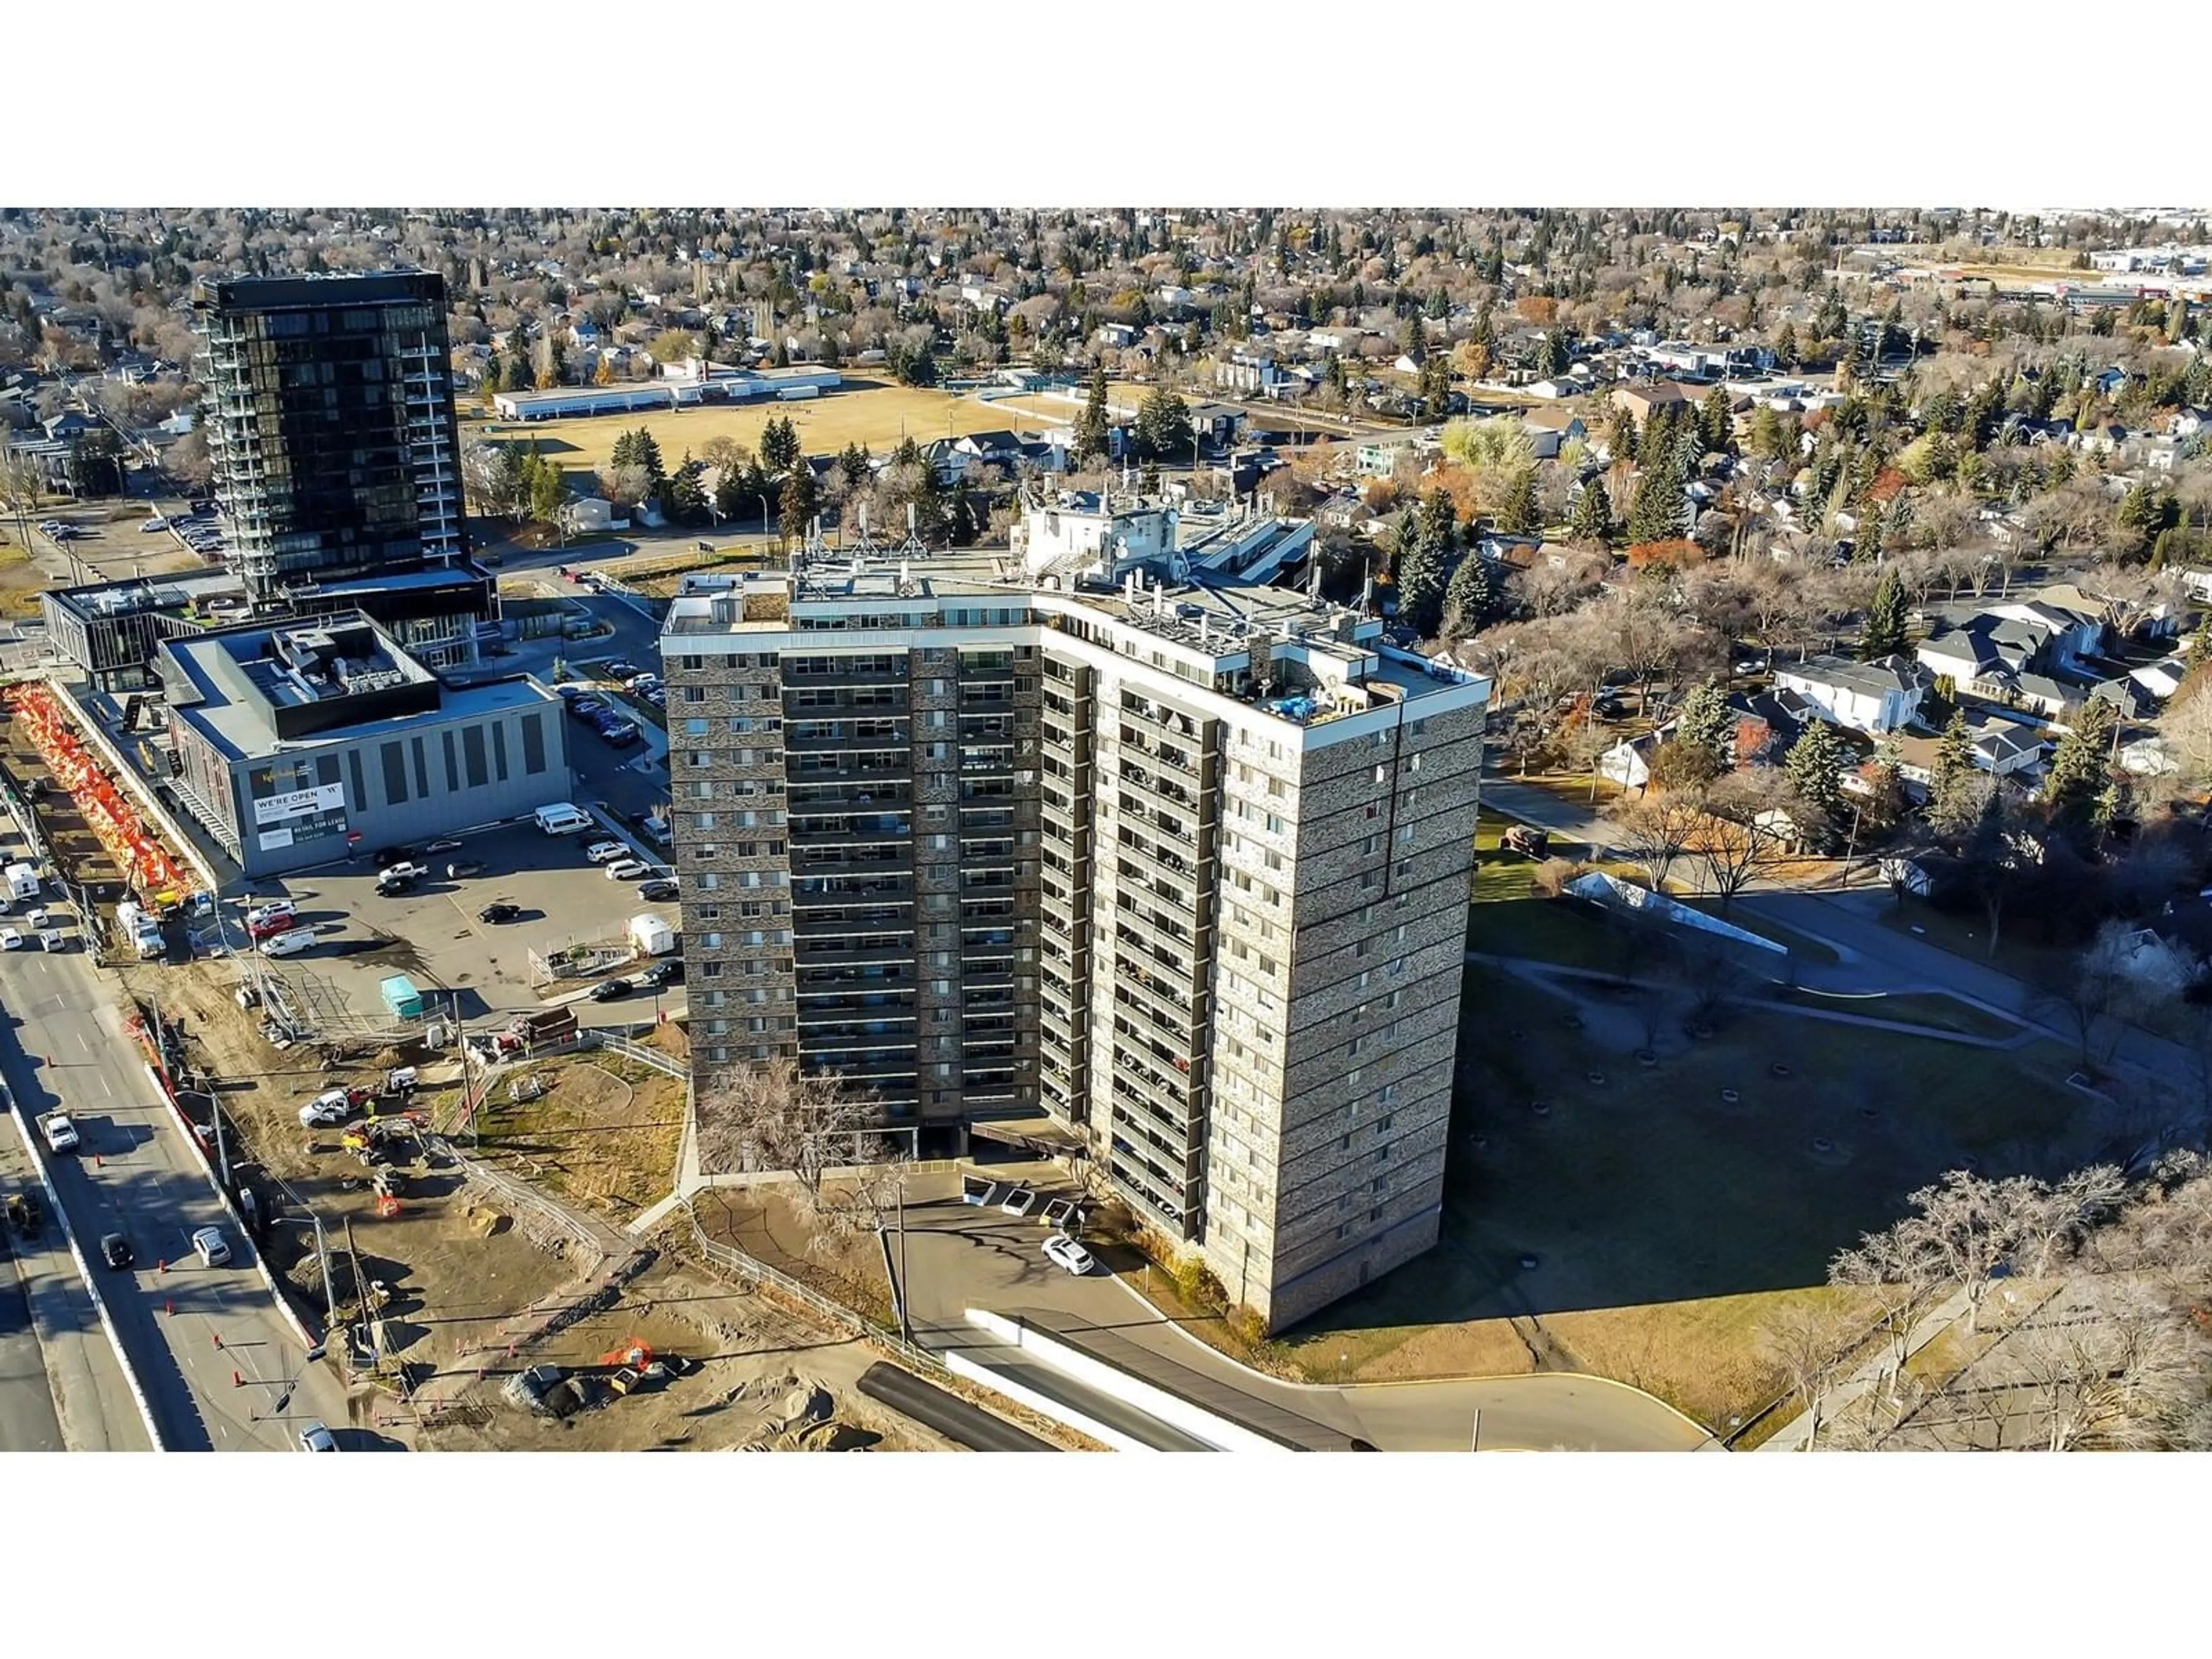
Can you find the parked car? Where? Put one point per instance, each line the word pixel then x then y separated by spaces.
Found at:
pixel 658 889
pixel 620 735
pixel 10 939
pixel 498 913
pixel 391 885
pixel 601 851
pixel 584 708
pixel 1064 1251
pixel 388 856
pixel 317 1438
pixel 573 690
pixel 462 869
pixel 611 990
pixel 155 522
pixel 448 844
pixel 213 1249
pixel 115 1250
pixel 660 973
pixel 621 669
pixel 627 869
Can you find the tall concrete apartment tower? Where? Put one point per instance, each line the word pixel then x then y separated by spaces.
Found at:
pixel 331 426
pixel 1103 829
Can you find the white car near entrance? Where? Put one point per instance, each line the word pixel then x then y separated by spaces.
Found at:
pixel 1068 1254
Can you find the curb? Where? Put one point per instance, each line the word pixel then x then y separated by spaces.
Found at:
pixel 1350 1391
pixel 84 1270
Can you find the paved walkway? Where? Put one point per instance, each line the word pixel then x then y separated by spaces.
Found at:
pixel 1877 959
pixel 1870 1376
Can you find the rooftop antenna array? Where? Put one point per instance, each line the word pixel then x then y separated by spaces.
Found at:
pixel 912 547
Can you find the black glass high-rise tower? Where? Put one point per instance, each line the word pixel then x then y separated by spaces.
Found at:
pixel 330 417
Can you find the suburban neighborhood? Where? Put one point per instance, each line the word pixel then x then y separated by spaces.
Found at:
pixel 1135 830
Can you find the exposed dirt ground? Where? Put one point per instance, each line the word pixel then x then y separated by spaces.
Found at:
pixel 765 1225
pixel 449 1281
pixel 766 1380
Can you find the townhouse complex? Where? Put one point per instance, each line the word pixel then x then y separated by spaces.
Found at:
pixel 1176 859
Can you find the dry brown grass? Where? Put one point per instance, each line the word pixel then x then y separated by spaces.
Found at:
pixel 1702 1357
pixel 606 1134
pixel 862 412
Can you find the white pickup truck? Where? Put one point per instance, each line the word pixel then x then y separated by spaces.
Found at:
pixel 60 1132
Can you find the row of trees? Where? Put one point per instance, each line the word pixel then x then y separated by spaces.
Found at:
pixel 2106 1288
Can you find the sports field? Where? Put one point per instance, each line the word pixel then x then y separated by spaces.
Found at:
pixel 861 411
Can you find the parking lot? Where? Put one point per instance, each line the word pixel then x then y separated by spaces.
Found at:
pixel 432 934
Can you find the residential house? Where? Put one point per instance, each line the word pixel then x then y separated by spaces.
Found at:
pixel 1551 430
pixel 1767 724
pixel 1874 698
pixel 2000 747
pixel 994 448
pixel 1641 400
pixel 2161 678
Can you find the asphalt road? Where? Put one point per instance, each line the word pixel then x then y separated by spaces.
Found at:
pixel 62 1388
pixel 960 1257
pixel 210 1348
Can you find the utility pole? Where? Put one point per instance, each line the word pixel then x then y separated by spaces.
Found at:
pixel 906 1280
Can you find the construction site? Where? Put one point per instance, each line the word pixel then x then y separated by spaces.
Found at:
pixel 457 1219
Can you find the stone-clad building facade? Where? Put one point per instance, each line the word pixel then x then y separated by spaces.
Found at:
pixel 1181 864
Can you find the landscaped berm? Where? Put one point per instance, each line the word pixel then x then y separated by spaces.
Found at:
pixel 1640 1221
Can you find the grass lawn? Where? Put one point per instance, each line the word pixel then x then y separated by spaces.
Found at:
pixel 1967 936
pixel 862 411
pixel 1665 1220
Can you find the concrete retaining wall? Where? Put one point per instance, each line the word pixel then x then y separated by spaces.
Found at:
pixel 960 1365
pixel 1191 1420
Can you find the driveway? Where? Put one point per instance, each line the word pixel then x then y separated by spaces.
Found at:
pixel 960 1257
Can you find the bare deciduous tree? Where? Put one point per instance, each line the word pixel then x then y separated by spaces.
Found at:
pixel 1900 1269
pixel 2108 1366
pixel 1656 831
pixel 1807 1342
pixel 776 1118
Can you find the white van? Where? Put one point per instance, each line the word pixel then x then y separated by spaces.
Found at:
pixel 562 819
pixel 22 881
pixel 289 945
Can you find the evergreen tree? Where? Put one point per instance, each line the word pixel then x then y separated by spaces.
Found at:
pixel 1518 510
pixel 2080 767
pixel 625 451
pixel 729 492
pixel 547 493
pixel 1814 767
pixel 648 457
pixel 1090 428
pixel 853 464
pixel 1656 513
pixel 1620 441
pixel 684 502
pixel 1592 519
pixel 1418 570
pixel 1475 596
pixel 795 506
pixel 1714 424
pixel 1706 726
pixel 1164 428
pixel 1883 633
pixel 1954 757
